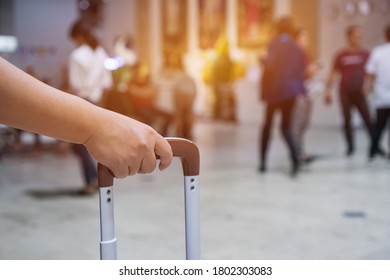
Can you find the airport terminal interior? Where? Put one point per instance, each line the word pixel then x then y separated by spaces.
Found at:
pixel 335 206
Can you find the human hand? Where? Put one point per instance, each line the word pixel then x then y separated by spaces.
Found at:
pixel 126 146
pixel 367 89
pixel 313 68
pixel 327 98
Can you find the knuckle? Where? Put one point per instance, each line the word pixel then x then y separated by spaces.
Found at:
pixel 120 168
pixel 142 145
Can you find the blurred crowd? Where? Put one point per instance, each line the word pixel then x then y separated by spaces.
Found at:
pixel 285 87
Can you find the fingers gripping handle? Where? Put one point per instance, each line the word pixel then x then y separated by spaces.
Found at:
pixel 188 152
pixel 189 155
pixel 105 176
pixel 185 149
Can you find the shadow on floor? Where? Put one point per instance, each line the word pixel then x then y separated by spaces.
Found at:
pixel 57 193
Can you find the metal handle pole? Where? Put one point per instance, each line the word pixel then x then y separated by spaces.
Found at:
pixel 107 227
pixel 192 217
pixel 189 155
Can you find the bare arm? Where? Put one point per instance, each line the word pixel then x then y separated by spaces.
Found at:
pixel 28 104
pixel 329 84
pixel 312 69
pixel 124 145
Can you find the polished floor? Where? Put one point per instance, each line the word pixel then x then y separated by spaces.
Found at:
pixel 337 208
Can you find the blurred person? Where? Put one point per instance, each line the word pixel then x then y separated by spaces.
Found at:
pixel 127 59
pixel 122 144
pixel 378 79
pixel 349 64
pixel 142 93
pixel 221 73
pixel 122 69
pixel 184 94
pixel 282 82
pixel 304 103
pixel 124 49
pixel 88 78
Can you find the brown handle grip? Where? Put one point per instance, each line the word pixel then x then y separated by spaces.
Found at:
pixel 185 149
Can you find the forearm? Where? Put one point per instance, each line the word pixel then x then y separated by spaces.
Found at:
pixel 124 145
pixel 29 104
pixel 329 82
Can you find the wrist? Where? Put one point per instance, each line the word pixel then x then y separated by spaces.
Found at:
pixel 94 122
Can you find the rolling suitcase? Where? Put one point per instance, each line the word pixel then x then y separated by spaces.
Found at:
pixel 188 152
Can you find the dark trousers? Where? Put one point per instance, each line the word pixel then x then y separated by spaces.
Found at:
pixel 381 120
pixel 88 164
pixel 285 107
pixel 348 100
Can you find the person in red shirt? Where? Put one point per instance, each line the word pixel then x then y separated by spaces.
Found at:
pixel 349 64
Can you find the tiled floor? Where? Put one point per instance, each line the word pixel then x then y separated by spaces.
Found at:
pixel 337 208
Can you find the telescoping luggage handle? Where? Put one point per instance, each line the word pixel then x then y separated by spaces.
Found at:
pixel 188 152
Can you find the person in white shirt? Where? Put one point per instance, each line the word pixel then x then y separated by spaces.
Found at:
pixel 378 79
pixel 88 79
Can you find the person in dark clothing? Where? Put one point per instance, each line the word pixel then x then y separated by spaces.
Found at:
pixel 349 63
pixel 282 82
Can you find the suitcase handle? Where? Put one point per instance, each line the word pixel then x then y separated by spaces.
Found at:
pixel 189 154
pixel 185 149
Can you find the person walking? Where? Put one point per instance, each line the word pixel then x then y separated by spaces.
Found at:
pixel 349 64
pixel 378 79
pixel 304 104
pixel 282 82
